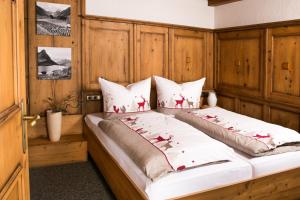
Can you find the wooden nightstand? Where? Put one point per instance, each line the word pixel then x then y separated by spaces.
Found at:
pixel 70 149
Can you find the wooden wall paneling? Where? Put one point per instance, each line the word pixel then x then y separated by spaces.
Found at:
pixel 41 89
pixel 284 118
pixel 188 55
pixel 70 149
pixel 240 62
pixel 210 72
pixel 107 52
pixel 266 112
pixel 283 65
pixel 251 109
pixel 151 51
pixel 72 124
pixel 227 102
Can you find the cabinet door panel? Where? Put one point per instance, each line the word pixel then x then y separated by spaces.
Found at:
pixel 108 48
pixel 151 51
pixel 227 103
pixel 283 64
pixel 190 55
pixel 284 118
pixel 240 62
pixel 251 109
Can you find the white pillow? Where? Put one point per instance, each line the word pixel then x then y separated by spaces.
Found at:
pixel 178 96
pixel 119 99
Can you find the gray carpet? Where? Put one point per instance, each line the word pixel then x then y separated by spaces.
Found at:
pixel 80 181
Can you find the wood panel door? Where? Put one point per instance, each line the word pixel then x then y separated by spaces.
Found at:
pixel 151 51
pixel 108 52
pixel 190 55
pixel 13 141
pixel 284 65
pixel 240 59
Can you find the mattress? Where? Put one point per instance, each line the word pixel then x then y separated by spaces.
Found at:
pixel 175 184
pixel 266 165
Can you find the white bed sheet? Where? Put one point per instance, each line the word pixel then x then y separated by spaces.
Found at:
pixel 175 184
pixel 266 165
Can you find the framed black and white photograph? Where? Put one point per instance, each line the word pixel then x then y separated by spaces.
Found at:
pixel 54 63
pixel 53 19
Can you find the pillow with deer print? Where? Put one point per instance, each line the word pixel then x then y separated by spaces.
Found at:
pixel 118 99
pixel 172 97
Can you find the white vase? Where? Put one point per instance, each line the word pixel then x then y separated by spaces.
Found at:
pixel 212 99
pixel 54 125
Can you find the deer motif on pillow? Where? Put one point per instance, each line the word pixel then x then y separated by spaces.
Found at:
pixel 120 99
pixel 178 96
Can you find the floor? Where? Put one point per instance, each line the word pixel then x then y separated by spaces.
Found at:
pixel 80 181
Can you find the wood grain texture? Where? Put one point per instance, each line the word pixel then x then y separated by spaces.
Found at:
pixel 7 56
pixel 226 102
pixel 284 185
pixel 39 90
pixel 14 178
pixel 151 51
pixel 251 109
pixel 71 124
pixel 240 61
pixel 70 149
pixel 283 77
pixel 285 118
pixel 107 52
pixel 261 69
pixel 189 55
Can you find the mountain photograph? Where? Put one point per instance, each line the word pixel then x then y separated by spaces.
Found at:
pixel 54 63
pixel 53 19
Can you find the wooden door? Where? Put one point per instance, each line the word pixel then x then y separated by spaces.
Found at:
pixel 151 51
pixel 190 55
pixel 13 146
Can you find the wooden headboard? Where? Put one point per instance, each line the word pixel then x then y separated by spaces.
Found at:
pixel 129 51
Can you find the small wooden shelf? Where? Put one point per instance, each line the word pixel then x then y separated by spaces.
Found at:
pixel 70 149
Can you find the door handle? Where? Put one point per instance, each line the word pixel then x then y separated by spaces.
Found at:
pixel 33 119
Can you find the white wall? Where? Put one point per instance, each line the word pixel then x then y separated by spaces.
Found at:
pixel 182 12
pixel 248 12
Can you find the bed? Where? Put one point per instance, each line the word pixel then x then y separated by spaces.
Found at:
pixel 252 181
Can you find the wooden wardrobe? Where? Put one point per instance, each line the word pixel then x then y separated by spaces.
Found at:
pixel 258 71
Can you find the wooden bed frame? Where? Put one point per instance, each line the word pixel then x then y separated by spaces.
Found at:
pixel 284 185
